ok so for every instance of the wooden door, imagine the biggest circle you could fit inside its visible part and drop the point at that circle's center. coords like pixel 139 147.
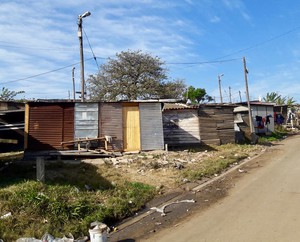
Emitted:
pixel 131 127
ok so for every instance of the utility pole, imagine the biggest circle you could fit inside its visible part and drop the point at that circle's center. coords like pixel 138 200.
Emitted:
pixel 73 79
pixel 230 95
pixel 219 78
pixel 247 95
pixel 80 17
pixel 240 96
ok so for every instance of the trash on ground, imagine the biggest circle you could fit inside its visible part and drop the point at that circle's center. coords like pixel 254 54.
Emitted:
pixel 162 209
pixel 7 215
pixel 49 238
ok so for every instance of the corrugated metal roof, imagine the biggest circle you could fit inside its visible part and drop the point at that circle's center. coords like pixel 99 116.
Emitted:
pixel 168 106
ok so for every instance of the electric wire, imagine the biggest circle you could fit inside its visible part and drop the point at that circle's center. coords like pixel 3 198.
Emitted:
pixel 259 43
pixel 95 58
pixel 43 73
pixel 216 60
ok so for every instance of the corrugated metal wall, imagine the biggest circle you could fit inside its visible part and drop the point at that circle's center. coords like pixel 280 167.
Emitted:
pixel 49 125
pixel 263 112
pixel 111 123
pixel 151 126
pixel 86 120
pixel 181 127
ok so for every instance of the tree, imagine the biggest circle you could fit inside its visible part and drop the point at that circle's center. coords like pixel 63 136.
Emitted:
pixel 7 95
pixel 271 97
pixel 278 99
pixel 290 101
pixel 132 75
pixel 172 89
pixel 197 95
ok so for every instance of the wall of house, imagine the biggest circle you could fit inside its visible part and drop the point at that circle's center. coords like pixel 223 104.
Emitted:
pixel 216 124
pixel 48 124
pixel 181 127
pixel 151 126
pixel 111 124
pixel 263 111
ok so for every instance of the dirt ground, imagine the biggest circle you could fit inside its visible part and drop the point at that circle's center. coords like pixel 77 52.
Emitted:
pixel 205 193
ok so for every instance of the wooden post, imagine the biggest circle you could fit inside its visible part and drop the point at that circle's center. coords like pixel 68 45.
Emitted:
pixel 247 95
pixel 40 169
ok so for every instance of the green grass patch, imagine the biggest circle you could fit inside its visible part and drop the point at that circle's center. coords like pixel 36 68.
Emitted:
pixel 275 136
pixel 63 205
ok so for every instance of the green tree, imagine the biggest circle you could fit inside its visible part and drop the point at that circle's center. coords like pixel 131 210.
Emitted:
pixel 271 97
pixel 7 95
pixel 132 75
pixel 278 99
pixel 290 101
pixel 197 95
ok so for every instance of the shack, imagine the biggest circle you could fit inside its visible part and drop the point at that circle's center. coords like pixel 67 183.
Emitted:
pixel 198 124
pixel 262 116
pixel 117 126
pixel 181 124
pixel 11 126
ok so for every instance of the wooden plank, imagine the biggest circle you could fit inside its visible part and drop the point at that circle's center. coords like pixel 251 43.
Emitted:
pixel 212 141
pixel 9 141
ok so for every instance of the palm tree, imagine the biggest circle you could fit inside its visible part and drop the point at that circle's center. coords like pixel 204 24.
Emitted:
pixel 272 97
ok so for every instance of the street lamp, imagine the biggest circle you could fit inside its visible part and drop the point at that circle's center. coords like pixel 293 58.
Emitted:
pixel 80 17
pixel 219 78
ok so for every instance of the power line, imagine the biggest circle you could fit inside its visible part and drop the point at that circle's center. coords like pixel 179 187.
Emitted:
pixel 259 43
pixel 95 58
pixel 202 62
pixel 43 73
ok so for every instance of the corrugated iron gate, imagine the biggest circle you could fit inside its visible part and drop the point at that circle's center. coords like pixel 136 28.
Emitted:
pixel 151 126
pixel 50 124
pixel 110 123
pixel 86 120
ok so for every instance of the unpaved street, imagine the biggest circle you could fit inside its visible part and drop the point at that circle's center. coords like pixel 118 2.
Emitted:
pixel 264 205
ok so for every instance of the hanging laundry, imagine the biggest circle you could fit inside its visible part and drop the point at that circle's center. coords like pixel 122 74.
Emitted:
pixel 259 122
pixel 268 119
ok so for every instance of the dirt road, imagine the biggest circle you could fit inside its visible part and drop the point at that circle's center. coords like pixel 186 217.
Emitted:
pixel 264 205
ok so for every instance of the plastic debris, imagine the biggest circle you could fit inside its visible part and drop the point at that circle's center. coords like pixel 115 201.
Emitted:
pixel 49 238
pixel 7 215
pixel 162 209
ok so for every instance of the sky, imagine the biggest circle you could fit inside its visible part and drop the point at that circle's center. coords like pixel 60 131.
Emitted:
pixel 198 40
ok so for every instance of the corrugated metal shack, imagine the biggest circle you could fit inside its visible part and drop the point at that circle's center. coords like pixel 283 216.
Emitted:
pixel 132 126
pixel 192 125
pixel 11 126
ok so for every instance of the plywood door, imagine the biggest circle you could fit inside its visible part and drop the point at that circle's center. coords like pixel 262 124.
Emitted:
pixel 131 128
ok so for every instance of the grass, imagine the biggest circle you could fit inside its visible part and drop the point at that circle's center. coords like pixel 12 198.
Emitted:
pixel 63 205
pixel 227 155
pixel 275 136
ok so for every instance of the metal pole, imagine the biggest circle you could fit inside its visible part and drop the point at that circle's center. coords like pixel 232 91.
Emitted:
pixel 247 95
pixel 81 56
pixel 230 95
pixel 73 79
pixel 240 96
